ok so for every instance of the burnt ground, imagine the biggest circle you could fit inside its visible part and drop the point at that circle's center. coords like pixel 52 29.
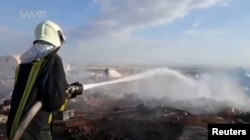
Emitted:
pixel 143 123
pixel 193 133
pixel 154 129
pixel 144 129
pixel 100 117
pixel 103 118
pixel 124 129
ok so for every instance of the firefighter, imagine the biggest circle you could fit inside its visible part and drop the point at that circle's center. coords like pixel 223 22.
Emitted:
pixel 40 76
pixel 106 72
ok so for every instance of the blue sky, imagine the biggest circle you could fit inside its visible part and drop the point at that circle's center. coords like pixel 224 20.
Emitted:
pixel 68 13
pixel 211 32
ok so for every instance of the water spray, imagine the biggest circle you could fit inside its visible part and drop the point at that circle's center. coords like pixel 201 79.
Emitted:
pixel 156 72
pixel 143 75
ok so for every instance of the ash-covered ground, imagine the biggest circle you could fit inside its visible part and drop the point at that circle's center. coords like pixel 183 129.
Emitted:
pixel 131 118
pixel 120 114
pixel 174 106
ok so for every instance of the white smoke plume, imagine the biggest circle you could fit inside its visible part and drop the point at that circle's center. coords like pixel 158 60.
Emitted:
pixel 170 84
pixel 213 87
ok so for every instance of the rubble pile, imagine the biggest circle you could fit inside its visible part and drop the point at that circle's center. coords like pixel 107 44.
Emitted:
pixel 106 119
pixel 101 116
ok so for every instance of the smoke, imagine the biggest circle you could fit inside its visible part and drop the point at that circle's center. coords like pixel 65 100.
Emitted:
pixel 210 90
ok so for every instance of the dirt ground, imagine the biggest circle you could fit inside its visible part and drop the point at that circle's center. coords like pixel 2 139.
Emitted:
pixel 103 118
pixel 129 129
pixel 146 129
pixel 145 123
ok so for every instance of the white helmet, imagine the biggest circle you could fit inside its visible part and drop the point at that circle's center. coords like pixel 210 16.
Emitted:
pixel 50 32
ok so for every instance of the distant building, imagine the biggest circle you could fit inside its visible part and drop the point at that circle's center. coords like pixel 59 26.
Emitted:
pixel 8 64
pixel 110 73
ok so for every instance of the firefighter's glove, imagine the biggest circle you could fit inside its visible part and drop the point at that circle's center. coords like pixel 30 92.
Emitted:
pixel 75 89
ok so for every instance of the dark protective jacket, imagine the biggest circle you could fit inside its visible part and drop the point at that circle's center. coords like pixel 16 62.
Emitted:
pixel 43 80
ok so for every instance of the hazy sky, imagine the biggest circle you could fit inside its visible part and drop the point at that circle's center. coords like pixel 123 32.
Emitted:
pixel 138 31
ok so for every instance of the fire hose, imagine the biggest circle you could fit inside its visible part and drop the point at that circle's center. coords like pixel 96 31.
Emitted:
pixel 38 105
pixel 29 116
pixel 27 119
